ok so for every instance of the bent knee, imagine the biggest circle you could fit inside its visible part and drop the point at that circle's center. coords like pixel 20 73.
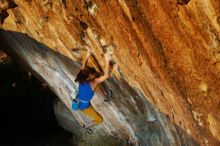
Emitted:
pixel 99 120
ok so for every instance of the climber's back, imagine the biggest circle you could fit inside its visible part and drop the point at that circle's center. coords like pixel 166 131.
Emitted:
pixel 85 94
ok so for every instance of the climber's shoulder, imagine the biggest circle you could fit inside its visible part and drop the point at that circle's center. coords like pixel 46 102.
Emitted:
pixel 97 81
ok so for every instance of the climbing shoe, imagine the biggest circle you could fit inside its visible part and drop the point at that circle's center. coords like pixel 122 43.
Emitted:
pixel 108 96
pixel 88 130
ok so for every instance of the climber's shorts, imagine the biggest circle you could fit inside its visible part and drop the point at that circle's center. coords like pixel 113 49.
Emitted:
pixel 93 114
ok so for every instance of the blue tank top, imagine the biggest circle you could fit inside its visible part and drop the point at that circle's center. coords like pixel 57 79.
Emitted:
pixel 84 95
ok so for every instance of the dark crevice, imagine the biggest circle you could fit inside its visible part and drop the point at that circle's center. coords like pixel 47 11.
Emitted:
pixel 27 115
pixel 3 16
pixel 84 25
pixel 183 2
pixel 64 3
pixel 87 4
pixel 12 4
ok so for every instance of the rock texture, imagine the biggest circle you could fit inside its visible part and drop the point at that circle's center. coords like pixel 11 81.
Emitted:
pixel 166 53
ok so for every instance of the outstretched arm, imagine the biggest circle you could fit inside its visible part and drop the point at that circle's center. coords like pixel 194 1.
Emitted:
pixel 106 74
pixel 85 60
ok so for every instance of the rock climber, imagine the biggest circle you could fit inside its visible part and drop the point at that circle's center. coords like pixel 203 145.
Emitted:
pixel 88 79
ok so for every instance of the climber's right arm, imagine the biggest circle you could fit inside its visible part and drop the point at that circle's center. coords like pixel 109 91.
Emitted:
pixel 106 73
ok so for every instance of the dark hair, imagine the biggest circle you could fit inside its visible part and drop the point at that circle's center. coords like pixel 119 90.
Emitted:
pixel 84 74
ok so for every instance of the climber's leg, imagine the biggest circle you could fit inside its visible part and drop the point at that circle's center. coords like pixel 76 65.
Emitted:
pixel 109 94
pixel 94 115
pixel 106 92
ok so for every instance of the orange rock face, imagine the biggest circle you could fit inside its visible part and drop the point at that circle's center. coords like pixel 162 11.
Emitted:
pixel 169 51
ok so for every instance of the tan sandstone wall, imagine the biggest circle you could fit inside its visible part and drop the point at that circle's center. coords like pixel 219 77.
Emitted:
pixel 167 51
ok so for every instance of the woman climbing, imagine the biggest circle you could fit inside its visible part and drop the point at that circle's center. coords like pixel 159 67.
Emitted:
pixel 88 79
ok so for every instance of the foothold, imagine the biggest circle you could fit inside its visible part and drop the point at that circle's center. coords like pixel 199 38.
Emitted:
pixel 114 133
pixel 91 7
pixel 84 25
pixel 47 5
pixel 104 48
pixel 197 117
pixel 203 86
pixel 206 141
pixel 102 41
pixel 46 18
pixel 188 131
pixel 151 120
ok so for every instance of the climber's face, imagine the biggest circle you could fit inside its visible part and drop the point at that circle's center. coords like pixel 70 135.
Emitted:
pixel 91 77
